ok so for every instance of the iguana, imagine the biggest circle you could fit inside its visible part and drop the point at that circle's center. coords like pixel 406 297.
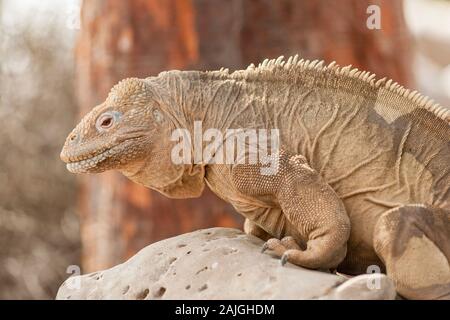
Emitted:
pixel 363 175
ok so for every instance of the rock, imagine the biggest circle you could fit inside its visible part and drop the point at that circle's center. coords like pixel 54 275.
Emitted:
pixel 217 263
pixel 365 287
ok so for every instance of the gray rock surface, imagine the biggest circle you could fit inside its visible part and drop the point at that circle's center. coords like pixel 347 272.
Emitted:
pixel 217 263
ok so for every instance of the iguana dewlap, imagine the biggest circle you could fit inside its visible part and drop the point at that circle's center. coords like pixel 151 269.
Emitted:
pixel 364 168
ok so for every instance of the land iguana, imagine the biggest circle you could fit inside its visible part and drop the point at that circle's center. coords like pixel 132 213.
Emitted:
pixel 364 165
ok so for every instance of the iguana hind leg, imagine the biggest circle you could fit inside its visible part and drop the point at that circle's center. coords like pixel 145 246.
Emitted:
pixel 414 243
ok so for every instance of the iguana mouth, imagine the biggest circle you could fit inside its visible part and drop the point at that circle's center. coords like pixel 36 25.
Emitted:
pixel 83 163
pixel 82 166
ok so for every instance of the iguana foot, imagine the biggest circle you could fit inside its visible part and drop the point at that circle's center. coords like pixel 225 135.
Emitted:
pixel 287 249
pixel 414 243
pixel 279 247
pixel 290 255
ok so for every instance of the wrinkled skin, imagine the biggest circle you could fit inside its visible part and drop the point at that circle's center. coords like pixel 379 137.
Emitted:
pixel 124 133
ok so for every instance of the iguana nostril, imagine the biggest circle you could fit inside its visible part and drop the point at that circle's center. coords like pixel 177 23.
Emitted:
pixel 73 137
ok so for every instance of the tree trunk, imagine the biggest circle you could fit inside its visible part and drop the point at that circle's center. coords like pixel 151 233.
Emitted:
pixel 139 38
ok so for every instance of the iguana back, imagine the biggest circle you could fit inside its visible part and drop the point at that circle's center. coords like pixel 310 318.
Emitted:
pixel 377 144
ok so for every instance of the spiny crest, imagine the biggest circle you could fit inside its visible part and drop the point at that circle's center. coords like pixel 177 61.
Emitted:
pixel 295 65
pixel 129 91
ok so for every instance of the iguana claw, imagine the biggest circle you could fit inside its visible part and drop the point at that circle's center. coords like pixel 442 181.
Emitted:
pixel 284 259
pixel 264 247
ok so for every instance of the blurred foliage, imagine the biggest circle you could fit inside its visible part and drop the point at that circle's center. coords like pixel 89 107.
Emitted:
pixel 39 234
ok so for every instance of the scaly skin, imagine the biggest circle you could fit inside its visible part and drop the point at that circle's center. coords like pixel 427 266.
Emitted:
pixel 359 157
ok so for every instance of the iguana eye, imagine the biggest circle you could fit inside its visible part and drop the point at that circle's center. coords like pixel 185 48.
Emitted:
pixel 105 121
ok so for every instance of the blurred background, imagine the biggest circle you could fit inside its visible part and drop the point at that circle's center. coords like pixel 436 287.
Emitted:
pixel 59 58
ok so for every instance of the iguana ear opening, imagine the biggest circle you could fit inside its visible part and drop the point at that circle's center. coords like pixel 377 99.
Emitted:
pixel 190 184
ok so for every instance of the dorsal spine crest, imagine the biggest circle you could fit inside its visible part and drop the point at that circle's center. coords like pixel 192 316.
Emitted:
pixel 293 66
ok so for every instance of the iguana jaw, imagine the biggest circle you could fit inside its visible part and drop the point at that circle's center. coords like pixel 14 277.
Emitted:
pixel 108 158
pixel 86 165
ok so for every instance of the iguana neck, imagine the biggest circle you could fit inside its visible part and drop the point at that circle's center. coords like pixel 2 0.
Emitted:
pixel 213 98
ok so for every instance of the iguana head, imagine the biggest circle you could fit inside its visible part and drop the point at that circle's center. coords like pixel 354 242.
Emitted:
pixel 130 132
pixel 113 134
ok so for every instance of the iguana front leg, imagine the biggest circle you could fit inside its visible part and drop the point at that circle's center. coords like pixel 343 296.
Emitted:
pixel 308 203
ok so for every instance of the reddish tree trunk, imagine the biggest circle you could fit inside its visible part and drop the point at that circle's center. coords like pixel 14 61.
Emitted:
pixel 119 39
